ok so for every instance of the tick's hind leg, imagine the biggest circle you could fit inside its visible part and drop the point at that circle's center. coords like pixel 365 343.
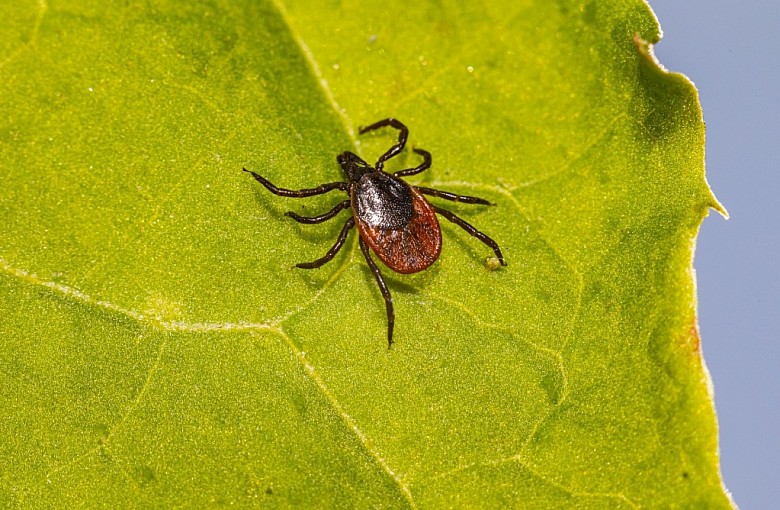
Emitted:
pixel 446 195
pixel 333 250
pixel 322 217
pixel 395 149
pixel 425 165
pixel 473 231
pixel 385 292
pixel 301 193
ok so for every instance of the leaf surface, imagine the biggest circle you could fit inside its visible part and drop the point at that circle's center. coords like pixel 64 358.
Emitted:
pixel 159 349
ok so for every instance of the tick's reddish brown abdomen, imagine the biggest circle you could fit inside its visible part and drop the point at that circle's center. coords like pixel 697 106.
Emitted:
pixel 397 222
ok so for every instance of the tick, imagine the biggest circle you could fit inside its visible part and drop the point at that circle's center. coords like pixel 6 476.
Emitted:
pixel 393 217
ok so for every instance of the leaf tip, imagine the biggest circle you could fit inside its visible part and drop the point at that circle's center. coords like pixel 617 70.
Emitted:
pixel 718 207
pixel 722 211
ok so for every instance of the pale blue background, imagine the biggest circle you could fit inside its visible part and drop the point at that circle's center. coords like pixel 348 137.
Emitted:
pixel 730 49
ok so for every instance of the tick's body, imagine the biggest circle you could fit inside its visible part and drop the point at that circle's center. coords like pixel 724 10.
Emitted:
pixel 396 222
pixel 393 218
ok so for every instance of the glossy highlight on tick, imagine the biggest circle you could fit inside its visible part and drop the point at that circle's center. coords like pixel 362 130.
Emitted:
pixel 393 217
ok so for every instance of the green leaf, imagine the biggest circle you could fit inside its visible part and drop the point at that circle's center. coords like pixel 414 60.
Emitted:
pixel 159 349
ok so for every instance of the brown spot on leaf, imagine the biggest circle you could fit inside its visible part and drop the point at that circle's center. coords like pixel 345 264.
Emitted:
pixel 691 340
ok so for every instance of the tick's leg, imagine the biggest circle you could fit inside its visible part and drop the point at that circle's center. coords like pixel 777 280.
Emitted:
pixel 333 250
pixel 322 217
pixel 473 231
pixel 385 292
pixel 395 149
pixel 425 165
pixel 301 193
pixel 452 196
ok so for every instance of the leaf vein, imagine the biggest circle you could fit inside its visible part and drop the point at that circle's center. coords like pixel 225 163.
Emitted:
pixel 155 321
pixel 315 68
pixel 42 8
pixel 593 142
pixel 173 326
pixel 348 420
pixel 560 486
